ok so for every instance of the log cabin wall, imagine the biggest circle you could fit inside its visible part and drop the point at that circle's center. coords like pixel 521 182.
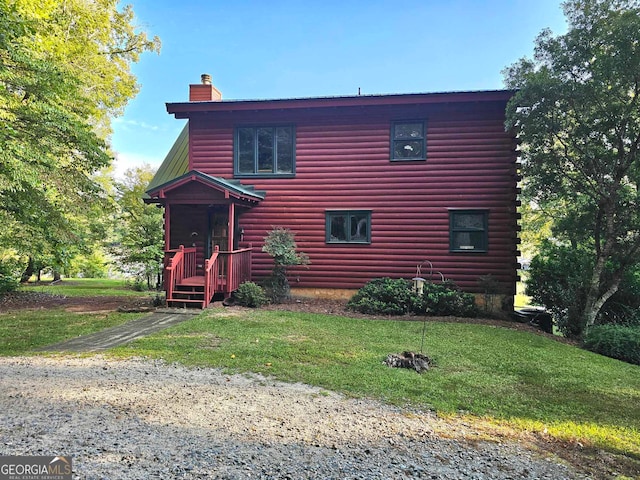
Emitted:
pixel 342 162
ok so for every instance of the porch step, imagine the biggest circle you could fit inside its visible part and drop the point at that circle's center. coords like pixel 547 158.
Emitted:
pixel 188 293
pixel 178 295
pixel 185 302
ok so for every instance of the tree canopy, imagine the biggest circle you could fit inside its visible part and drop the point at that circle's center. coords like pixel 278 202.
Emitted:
pixel 64 74
pixel 140 236
pixel 577 112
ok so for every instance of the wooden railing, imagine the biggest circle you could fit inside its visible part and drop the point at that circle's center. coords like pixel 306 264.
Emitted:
pixel 212 279
pixel 223 271
pixel 235 267
pixel 180 266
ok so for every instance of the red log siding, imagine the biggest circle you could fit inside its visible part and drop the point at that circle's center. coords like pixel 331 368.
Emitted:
pixel 342 162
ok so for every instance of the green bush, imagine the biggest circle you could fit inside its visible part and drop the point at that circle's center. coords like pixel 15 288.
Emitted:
pixel 9 274
pixel 446 299
pixel 559 279
pixel 615 341
pixel 250 295
pixel 281 245
pixel 385 296
pixel 388 296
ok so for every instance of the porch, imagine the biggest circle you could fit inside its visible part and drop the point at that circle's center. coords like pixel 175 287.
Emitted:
pixel 223 273
pixel 203 212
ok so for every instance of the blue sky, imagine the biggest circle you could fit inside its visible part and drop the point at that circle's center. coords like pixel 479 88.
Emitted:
pixel 261 49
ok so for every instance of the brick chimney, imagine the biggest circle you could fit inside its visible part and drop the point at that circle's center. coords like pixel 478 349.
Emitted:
pixel 204 91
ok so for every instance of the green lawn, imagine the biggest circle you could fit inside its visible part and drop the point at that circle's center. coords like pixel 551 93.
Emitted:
pixel 25 330
pixel 86 287
pixel 500 376
pixel 505 376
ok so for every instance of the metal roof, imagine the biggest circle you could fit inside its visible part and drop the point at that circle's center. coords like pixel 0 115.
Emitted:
pixel 183 109
pixel 175 164
pixel 234 187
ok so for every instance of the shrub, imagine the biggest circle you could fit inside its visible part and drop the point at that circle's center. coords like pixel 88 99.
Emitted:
pixel 386 296
pixel 9 273
pixel 250 295
pixel 615 341
pixel 281 245
pixel 559 278
pixel 446 299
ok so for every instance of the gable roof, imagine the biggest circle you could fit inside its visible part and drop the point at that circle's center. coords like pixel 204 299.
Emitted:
pixel 231 188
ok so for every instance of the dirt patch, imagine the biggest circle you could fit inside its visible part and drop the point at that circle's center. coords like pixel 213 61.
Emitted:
pixel 42 301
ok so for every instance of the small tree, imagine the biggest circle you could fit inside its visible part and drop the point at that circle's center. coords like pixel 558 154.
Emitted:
pixel 141 241
pixel 281 245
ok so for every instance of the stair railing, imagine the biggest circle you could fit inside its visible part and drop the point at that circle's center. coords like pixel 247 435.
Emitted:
pixel 182 265
pixel 211 277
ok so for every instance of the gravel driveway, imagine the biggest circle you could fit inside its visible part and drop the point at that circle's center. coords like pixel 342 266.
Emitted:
pixel 140 419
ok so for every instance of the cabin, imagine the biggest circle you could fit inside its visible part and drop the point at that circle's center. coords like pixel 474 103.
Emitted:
pixel 372 186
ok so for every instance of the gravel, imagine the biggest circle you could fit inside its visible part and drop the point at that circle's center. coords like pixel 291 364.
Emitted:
pixel 140 419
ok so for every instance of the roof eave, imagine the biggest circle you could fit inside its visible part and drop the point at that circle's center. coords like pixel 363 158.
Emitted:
pixel 180 108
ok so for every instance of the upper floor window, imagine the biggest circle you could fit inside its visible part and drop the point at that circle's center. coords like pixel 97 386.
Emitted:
pixel 468 230
pixel 264 151
pixel 408 141
pixel 348 226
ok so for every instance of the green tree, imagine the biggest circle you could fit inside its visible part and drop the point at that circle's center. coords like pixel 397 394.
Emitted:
pixel 280 243
pixel 64 73
pixel 140 246
pixel 578 116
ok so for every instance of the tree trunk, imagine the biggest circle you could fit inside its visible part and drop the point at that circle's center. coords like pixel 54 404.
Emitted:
pixel 56 276
pixel 28 272
pixel 594 300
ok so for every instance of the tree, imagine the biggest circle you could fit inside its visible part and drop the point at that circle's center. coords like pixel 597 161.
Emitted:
pixel 578 116
pixel 280 243
pixel 64 73
pixel 140 245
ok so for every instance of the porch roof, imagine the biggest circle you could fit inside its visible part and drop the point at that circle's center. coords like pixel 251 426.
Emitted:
pixel 175 164
pixel 231 188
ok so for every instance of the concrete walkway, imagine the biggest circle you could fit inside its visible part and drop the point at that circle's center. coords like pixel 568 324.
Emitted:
pixel 125 333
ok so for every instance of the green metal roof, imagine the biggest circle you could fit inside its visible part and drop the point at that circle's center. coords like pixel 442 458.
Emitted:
pixel 175 164
pixel 232 186
pixel 175 168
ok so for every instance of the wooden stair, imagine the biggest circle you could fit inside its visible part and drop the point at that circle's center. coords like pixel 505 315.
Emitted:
pixel 189 293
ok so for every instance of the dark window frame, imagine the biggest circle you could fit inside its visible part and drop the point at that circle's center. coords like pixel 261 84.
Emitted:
pixel 483 246
pixel 395 139
pixel 237 173
pixel 347 227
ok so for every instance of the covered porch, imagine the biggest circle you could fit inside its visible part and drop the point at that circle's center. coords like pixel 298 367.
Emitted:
pixel 203 257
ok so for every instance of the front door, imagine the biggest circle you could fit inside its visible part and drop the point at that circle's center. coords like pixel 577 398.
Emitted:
pixel 218 228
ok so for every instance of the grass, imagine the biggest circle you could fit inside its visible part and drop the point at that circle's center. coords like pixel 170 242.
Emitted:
pixel 23 331
pixel 86 287
pixel 492 375
pixel 506 377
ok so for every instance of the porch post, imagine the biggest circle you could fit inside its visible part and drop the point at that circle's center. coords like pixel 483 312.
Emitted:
pixel 230 228
pixel 167 226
